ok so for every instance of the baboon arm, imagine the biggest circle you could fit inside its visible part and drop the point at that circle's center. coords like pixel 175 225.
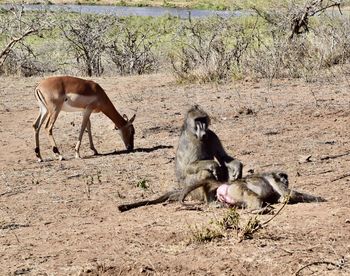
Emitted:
pixel 201 165
pixel 283 191
pixel 187 190
pixel 218 150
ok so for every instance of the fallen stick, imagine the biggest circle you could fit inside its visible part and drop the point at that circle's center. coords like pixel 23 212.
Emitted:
pixel 317 263
pixel 335 156
pixel 341 177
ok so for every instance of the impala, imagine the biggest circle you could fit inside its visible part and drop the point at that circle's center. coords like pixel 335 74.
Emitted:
pixel 72 94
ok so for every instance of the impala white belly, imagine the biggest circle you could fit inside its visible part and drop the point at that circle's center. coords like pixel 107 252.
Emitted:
pixel 68 108
pixel 75 102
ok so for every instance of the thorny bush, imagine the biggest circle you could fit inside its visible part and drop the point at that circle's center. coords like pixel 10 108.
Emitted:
pixel 209 50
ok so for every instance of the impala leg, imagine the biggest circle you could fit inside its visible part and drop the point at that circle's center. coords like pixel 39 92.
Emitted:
pixel 86 116
pixel 92 147
pixel 49 126
pixel 37 125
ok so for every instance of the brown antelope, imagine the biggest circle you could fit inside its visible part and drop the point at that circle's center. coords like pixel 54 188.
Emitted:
pixel 72 94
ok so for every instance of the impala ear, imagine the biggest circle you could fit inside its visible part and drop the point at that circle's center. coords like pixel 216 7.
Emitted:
pixel 132 119
pixel 125 117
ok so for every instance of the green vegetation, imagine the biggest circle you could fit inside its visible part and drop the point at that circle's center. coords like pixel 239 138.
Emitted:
pixel 142 184
pixel 271 43
pixel 229 226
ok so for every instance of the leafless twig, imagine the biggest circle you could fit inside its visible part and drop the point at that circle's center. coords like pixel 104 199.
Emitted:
pixel 334 156
pixel 341 177
pixel 339 266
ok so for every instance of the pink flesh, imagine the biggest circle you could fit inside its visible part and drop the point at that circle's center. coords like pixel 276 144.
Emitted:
pixel 222 195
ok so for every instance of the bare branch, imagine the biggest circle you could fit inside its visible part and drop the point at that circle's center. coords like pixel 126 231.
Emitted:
pixel 12 43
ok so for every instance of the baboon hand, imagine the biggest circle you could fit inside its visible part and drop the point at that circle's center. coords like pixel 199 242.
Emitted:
pixel 235 169
pixel 213 167
pixel 203 165
pixel 236 174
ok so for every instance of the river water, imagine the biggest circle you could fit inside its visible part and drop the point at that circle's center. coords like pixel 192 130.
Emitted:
pixel 128 11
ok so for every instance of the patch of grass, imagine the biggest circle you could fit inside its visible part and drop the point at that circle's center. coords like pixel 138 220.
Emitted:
pixel 229 226
pixel 167 4
pixel 247 230
pixel 142 184
pixel 229 221
pixel 213 5
pixel 90 180
pixel 205 234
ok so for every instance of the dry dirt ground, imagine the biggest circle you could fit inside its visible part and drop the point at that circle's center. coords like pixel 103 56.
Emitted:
pixel 61 218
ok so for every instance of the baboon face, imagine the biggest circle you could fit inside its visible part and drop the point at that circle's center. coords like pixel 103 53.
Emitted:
pixel 200 127
pixel 197 122
pixel 283 178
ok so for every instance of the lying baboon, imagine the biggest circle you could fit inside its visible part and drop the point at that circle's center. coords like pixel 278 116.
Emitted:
pixel 254 191
pixel 200 160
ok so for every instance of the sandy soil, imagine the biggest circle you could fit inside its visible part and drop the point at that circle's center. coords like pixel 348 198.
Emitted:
pixel 61 218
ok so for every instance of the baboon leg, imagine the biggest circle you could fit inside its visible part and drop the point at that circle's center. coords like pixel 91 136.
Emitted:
pixel 204 185
pixel 237 194
pixel 253 203
pixel 204 180
pixel 189 189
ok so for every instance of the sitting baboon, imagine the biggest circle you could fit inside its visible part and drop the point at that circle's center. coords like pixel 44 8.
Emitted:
pixel 255 191
pixel 200 159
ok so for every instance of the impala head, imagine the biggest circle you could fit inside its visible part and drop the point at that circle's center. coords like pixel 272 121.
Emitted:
pixel 127 132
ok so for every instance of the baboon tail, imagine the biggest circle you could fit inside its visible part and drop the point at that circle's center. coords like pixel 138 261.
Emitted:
pixel 296 197
pixel 170 196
